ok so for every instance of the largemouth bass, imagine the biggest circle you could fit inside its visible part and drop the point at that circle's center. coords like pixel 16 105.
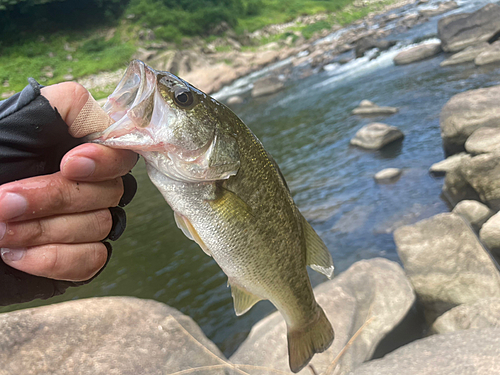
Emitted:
pixel 228 195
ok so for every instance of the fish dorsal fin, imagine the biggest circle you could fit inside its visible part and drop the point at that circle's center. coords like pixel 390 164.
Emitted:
pixel 243 300
pixel 318 256
pixel 187 228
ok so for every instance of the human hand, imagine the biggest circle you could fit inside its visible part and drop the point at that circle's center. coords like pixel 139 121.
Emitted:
pixel 52 225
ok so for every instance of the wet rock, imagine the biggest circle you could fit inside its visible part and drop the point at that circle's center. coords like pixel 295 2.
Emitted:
pixel 388 175
pixel 473 212
pixel 481 314
pixel 368 108
pixel 417 53
pixel 369 288
pixel 376 135
pixel 411 20
pixel 460 31
pixel 442 8
pixel 466 112
pixel 235 100
pixel 446 165
pixel 446 263
pixel 483 141
pixel 468 54
pixel 490 234
pixel 489 55
pixel 369 43
pixel 112 335
pixel 267 86
pixel 458 353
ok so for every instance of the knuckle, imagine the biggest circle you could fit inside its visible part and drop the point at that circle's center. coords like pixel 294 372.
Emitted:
pixel 102 222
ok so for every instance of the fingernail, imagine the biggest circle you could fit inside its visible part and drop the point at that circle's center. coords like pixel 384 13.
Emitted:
pixel 12 205
pixel 78 167
pixel 12 255
pixel 3 229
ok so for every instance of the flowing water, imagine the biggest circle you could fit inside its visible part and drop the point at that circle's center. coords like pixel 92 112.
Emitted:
pixel 307 128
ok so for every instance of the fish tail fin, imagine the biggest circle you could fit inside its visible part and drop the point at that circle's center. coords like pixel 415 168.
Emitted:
pixel 303 342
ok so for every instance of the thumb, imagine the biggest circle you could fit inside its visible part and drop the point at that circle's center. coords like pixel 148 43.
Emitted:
pixel 77 107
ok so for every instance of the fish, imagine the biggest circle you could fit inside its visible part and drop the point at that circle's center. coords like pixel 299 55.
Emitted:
pixel 228 195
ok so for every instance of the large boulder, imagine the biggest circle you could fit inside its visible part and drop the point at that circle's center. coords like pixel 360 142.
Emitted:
pixel 466 112
pixel 417 53
pixel 456 188
pixel 468 54
pixel 489 55
pixel 483 140
pixel 376 135
pixel 482 172
pixel 471 352
pixel 473 212
pixel 446 263
pixel 374 290
pixel 112 335
pixel 460 31
pixel 481 314
pixel 442 8
pixel 368 108
pixel 490 234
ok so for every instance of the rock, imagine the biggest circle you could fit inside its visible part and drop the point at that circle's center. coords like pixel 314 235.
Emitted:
pixel 411 20
pixel 374 288
pixel 388 175
pixel 235 100
pixel 460 31
pixel 68 77
pixel 369 43
pixel 440 168
pixel 446 263
pixel 473 212
pixel 267 86
pixel 468 54
pixel 111 335
pixel 442 8
pixel 456 188
pixel 7 94
pixel 466 112
pixel 489 55
pixel 376 135
pixel 367 108
pixel 483 140
pixel 472 352
pixel 481 314
pixel 490 234
pixel 482 172
pixel 417 53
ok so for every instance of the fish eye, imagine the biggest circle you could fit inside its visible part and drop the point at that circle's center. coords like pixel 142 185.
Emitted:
pixel 183 98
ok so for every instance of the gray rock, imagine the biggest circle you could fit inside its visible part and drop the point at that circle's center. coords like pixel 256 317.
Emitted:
pixel 388 175
pixel 417 53
pixel 475 352
pixel 368 43
pixel 482 172
pixel 112 335
pixel 266 86
pixel 481 314
pixel 483 140
pixel 460 31
pixel 466 112
pixel 468 54
pixel 489 55
pixel 367 108
pixel 235 100
pixel 490 234
pixel 440 168
pixel 374 288
pixel 376 135
pixel 456 188
pixel 473 212
pixel 446 263
pixel 442 8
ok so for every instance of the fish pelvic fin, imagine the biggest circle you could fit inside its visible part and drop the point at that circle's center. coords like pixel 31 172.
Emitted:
pixel 317 255
pixel 243 300
pixel 187 228
pixel 304 342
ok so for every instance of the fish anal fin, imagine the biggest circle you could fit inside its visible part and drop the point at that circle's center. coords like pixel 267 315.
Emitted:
pixel 187 228
pixel 317 255
pixel 304 342
pixel 243 300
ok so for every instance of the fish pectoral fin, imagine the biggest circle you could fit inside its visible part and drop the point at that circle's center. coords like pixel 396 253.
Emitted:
pixel 187 228
pixel 317 255
pixel 243 300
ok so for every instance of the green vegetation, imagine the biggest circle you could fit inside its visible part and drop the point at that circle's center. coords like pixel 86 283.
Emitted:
pixel 52 39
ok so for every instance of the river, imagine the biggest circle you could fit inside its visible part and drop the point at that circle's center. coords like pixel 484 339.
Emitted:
pixel 307 128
